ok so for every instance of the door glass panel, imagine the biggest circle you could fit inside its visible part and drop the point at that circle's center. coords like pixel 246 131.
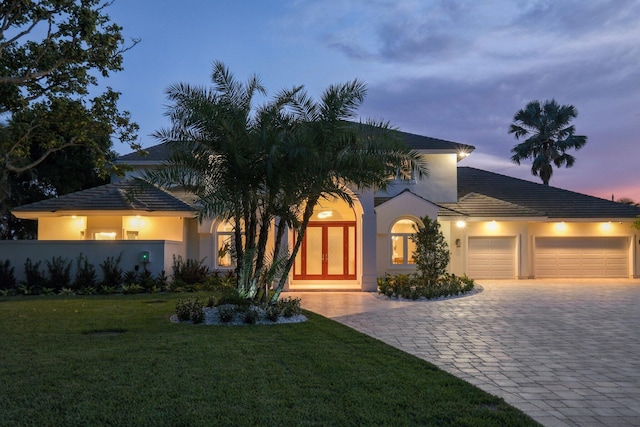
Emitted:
pixel 335 250
pixel 297 266
pixel 352 250
pixel 314 250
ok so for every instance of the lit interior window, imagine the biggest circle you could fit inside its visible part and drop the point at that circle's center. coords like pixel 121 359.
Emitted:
pixel 105 235
pixel 402 247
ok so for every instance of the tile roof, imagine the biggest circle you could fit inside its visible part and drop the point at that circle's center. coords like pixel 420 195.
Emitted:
pixel 551 201
pixel 133 194
pixel 159 153
pixel 479 205
pixel 155 154
pixel 419 142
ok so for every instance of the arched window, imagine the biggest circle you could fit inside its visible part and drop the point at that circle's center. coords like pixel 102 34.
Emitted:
pixel 402 247
pixel 224 242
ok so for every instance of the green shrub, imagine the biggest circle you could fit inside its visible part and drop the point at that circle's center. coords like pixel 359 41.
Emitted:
pixel 162 281
pixel 59 273
pixel 190 309
pixel 432 254
pixel 290 306
pixel 85 274
pixel 250 315
pixel 226 313
pixel 111 272
pixel 147 281
pixel 211 301
pixel 272 312
pixel 104 290
pixel 35 279
pixel 414 287
pixel 231 296
pixel 130 277
pixel 8 280
pixel 132 288
pixel 190 271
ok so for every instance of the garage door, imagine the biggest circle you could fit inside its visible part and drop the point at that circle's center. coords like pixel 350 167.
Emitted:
pixel 491 258
pixel 582 257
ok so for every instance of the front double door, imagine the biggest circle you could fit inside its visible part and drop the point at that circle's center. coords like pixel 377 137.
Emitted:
pixel 328 252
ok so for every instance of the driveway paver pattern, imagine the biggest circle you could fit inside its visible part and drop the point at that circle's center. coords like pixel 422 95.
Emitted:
pixel 565 352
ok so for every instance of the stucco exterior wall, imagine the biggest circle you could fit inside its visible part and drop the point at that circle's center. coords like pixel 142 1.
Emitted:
pixel 441 186
pixel 62 228
pixel 160 253
pixel 83 227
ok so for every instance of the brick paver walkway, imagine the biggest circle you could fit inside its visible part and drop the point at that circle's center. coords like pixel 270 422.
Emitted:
pixel 565 352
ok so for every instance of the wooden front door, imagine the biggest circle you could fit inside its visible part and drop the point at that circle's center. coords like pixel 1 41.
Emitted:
pixel 327 252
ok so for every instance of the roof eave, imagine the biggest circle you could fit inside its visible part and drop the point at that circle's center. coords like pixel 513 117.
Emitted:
pixel 102 212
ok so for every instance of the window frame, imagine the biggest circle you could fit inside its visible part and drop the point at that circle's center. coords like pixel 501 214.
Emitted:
pixel 403 240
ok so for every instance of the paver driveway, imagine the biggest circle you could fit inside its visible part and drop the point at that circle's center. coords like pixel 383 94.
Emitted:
pixel 565 352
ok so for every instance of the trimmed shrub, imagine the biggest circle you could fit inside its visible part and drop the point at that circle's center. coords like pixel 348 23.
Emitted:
pixel 189 272
pixel 8 280
pixel 59 273
pixel 190 309
pixel 35 279
pixel 290 306
pixel 414 287
pixel 432 252
pixel 86 277
pixel 111 272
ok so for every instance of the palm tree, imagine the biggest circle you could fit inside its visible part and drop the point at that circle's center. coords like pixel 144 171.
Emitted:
pixel 333 155
pixel 269 166
pixel 549 137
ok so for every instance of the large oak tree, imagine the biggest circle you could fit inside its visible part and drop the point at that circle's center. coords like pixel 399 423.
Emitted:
pixel 52 52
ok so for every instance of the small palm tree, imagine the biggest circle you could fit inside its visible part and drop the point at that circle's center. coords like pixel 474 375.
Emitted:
pixel 548 137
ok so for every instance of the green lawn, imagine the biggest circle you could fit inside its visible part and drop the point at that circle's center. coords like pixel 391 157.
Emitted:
pixel 117 360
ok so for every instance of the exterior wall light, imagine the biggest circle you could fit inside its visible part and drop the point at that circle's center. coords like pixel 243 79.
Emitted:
pixel 461 224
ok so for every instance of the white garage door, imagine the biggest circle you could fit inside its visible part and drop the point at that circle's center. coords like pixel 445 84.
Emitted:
pixel 582 257
pixel 491 258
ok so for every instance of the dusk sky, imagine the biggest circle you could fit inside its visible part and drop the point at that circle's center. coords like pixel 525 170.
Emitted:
pixel 455 70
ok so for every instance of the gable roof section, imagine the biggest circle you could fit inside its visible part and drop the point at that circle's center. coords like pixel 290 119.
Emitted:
pixel 550 201
pixel 129 195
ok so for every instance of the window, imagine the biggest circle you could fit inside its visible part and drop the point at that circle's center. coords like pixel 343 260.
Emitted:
pixel 224 243
pixel 402 247
pixel 104 235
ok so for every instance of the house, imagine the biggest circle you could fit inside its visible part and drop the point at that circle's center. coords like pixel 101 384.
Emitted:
pixel 497 227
